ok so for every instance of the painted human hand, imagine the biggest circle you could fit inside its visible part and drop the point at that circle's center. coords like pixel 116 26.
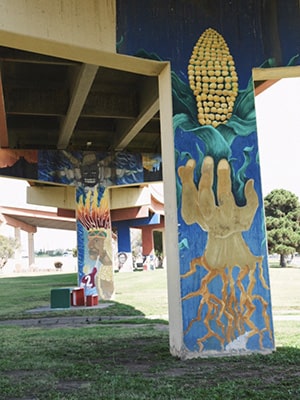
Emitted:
pixel 221 217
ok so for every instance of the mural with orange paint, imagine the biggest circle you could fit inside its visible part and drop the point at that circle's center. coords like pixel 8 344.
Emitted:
pixel 92 173
pixel 95 263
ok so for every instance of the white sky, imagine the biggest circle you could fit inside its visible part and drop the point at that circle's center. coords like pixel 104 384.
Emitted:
pixel 13 194
pixel 278 122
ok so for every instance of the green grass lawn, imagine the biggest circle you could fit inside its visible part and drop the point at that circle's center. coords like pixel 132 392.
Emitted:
pixel 132 360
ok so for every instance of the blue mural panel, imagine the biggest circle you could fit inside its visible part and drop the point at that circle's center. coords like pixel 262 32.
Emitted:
pixel 89 168
pixel 224 281
pixel 212 47
pixel 92 173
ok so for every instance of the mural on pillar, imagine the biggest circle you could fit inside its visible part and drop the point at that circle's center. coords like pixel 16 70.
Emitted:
pixel 225 284
pixel 95 255
pixel 225 293
pixel 91 173
pixel 212 48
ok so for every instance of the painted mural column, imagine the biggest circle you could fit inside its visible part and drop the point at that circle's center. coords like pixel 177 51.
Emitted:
pixel 92 173
pixel 94 238
pixel 124 248
pixel 225 289
pixel 148 247
pixel 219 290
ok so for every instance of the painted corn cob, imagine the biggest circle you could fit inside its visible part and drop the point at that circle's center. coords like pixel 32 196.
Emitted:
pixel 213 79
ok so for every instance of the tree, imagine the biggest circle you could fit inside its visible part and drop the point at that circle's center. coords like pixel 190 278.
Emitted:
pixel 7 249
pixel 282 210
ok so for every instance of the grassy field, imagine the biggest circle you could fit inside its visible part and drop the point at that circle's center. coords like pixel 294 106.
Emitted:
pixel 104 357
pixel 285 290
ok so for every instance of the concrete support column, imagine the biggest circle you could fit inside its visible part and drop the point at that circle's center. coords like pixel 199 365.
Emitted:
pixel 124 248
pixel 18 249
pixel 31 257
pixel 148 246
pixel 164 249
pixel 123 237
pixel 94 242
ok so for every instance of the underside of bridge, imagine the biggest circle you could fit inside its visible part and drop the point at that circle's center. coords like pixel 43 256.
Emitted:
pixel 90 101
pixel 48 102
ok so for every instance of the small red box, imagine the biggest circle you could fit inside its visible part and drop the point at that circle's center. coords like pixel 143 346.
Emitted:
pixel 92 300
pixel 77 297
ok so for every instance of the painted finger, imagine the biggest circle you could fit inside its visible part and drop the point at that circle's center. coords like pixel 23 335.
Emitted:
pixel 207 206
pixel 186 172
pixel 251 196
pixel 207 174
pixel 248 211
pixel 224 188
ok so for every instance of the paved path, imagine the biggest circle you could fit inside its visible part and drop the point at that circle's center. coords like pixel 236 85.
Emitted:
pixel 61 321
pixel 55 322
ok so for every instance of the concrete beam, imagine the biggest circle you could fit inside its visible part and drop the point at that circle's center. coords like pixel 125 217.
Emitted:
pixel 129 197
pixel 52 196
pixel 89 23
pixel 19 224
pixel 264 74
pixel 149 106
pixel 129 213
pixel 80 90
pixel 64 197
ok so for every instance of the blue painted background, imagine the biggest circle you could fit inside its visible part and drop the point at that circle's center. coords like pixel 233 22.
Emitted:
pixel 168 31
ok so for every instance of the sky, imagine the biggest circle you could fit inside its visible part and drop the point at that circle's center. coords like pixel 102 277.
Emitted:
pixel 13 194
pixel 278 123
pixel 278 126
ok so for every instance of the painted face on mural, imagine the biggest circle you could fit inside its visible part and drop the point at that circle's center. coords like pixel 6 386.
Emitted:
pixel 122 259
pixel 89 175
pixel 89 169
pixel 96 247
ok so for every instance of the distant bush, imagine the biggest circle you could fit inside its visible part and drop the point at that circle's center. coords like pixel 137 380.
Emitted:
pixel 8 246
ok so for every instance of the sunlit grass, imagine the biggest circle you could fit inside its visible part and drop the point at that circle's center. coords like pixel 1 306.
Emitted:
pixel 285 284
pixel 108 360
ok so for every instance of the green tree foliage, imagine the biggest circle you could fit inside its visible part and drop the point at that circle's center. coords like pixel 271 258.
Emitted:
pixel 282 210
pixel 7 249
